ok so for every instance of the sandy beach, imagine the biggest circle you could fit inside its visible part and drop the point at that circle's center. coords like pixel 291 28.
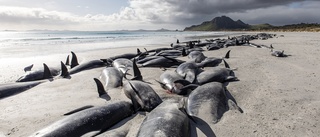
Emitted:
pixel 279 96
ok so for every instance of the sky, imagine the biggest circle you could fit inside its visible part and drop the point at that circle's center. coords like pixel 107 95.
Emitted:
pixel 149 14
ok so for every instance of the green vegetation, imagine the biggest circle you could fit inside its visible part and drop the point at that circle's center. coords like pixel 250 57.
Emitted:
pixel 261 26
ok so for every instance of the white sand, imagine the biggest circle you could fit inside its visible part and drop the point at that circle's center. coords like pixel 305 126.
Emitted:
pixel 279 96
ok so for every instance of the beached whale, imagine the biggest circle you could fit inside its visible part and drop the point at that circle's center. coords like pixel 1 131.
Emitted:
pixel 41 74
pixel 196 56
pixel 11 89
pixel 129 56
pixel 213 61
pixel 76 67
pixel 277 53
pixel 167 80
pixel 148 58
pixel 172 53
pixel 214 46
pixel 86 65
pixel 143 94
pixel 188 70
pixel 111 77
pixel 166 120
pixel 122 64
pixel 99 118
pixel 216 74
pixel 209 102
pixel 158 50
pixel 162 61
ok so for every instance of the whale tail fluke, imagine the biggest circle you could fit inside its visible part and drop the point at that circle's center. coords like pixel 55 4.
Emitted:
pixel 74 60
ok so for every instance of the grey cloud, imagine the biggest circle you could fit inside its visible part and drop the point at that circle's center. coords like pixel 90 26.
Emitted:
pixel 279 15
pixel 276 12
pixel 224 6
pixel 154 14
pixel 35 16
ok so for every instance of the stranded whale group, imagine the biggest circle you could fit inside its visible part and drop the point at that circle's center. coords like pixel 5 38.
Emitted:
pixel 198 84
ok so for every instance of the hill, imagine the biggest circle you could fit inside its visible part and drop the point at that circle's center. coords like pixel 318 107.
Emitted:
pixel 225 23
pixel 218 24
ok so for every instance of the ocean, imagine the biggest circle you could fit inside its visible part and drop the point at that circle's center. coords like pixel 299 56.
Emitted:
pixel 19 49
pixel 30 43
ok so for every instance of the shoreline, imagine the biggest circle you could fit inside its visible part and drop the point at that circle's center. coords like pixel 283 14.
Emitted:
pixel 279 96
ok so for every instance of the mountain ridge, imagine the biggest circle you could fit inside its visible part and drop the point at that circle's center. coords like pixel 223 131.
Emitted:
pixel 225 23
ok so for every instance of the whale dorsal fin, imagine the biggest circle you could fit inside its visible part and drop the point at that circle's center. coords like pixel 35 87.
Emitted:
pixel 67 60
pixel 136 71
pixel 226 64
pixel 184 53
pixel 46 73
pixel 74 60
pixel 138 51
pixel 227 54
pixel 64 71
pixel 100 87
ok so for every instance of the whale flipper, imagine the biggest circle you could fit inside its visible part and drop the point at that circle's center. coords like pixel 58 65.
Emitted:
pixel 77 110
pixel 74 60
pixel 28 68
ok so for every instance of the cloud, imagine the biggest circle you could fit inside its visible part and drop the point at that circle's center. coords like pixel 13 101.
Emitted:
pixel 305 12
pixel 155 14
pixel 187 12
pixel 35 15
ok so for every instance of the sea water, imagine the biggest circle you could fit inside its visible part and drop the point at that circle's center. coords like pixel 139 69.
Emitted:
pixel 31 43
pixel 19 49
